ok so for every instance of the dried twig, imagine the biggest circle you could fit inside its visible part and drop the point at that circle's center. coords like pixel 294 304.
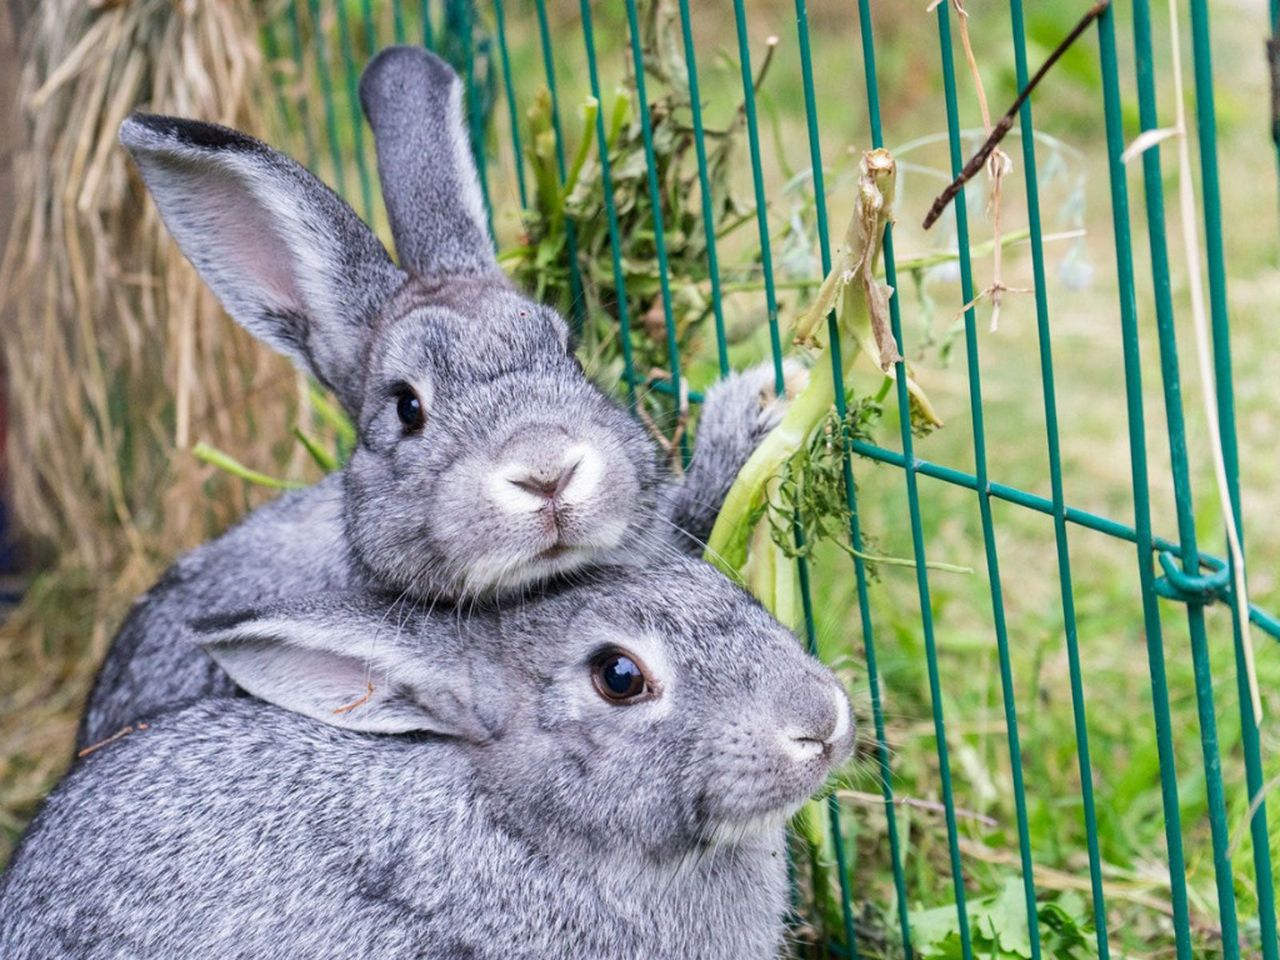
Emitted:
pixel 932 806
pixel 358 702
pixel 1005 124
pixel 119 734
pixel 998 165
pixel 670 445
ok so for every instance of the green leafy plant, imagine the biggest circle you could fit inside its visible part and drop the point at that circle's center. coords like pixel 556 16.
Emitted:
pixel 1000 931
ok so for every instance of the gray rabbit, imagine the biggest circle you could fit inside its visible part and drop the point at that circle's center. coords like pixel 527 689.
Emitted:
pixel 602 771
pixel 486 463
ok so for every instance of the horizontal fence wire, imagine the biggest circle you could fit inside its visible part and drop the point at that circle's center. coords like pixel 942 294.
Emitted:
pixel 320 32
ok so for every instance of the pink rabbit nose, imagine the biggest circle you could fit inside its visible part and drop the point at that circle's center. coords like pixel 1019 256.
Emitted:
pixel 567 477
pixel 547 487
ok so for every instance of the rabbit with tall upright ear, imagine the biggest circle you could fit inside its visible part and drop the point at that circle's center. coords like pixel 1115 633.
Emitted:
pixel 602 772
pixel 486 463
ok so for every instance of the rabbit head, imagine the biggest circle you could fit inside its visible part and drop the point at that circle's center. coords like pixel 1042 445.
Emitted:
pixel 642 710
pixel 487 460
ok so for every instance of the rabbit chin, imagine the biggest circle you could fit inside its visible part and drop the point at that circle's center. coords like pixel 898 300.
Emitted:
pixel 498 574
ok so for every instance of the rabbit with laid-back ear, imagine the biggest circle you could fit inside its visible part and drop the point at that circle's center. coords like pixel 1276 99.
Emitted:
pixel 602 771
pixel 486 462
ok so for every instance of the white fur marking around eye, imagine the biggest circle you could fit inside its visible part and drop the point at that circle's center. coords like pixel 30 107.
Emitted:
pixel 426 393
pixel 842 716
pixel 652 650
pixel 587 472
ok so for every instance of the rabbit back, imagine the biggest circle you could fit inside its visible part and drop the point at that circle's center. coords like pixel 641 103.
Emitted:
pixel 292 546
pixel 234 829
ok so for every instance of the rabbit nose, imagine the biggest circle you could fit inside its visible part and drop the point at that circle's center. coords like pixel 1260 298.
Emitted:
pixel 535 478
pixel 819 724
pixel 542 485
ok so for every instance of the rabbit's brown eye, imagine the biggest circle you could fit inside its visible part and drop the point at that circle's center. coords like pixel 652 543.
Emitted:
pixel 620 678
pixel 409 409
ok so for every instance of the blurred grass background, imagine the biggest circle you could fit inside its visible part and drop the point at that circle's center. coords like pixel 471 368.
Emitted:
pixel 118 363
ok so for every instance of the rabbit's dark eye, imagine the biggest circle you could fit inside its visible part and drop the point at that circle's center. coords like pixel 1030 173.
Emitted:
pixel 409 408
pixel 620 678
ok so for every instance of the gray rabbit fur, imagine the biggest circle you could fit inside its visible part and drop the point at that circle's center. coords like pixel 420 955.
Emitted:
pixel 505 808
pixel 511 470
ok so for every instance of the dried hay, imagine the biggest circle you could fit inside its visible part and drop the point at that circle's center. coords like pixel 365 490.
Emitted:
pixel 118 359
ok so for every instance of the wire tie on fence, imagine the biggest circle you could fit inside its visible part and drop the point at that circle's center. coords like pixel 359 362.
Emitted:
pixel 1177 584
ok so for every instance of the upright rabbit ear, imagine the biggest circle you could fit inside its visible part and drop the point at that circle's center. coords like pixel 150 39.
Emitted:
pixel 413 100
pixel 359 667
pixel 290 261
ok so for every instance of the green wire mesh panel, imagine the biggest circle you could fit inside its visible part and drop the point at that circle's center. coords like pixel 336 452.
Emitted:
pixel 1055 760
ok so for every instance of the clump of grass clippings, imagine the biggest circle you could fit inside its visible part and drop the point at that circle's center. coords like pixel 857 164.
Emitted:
pixel 540 260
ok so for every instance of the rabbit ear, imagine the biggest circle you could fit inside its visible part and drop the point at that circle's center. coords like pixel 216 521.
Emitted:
pixel 290 261
pixel 413 100
pixel 349 667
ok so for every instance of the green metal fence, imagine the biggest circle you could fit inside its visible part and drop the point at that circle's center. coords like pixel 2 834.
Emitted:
pixel 508 55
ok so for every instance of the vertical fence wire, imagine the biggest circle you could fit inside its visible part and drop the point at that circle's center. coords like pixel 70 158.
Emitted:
pixel 610 207
pixel 1206 128
pixel 1070 627
pixel 659 233
pixel 351 74
pixel 776 352
pixel 757 186
pixel 271 47
pixel 397 12
pixel 704 185
pixel 918 551
pixel 1154 190
pixel 1273 63
pixel 813 129
pixel 984 497
pixel 428 34
pixel 1139 480
pixel 326 88
pixel 301 102
pixel 370 28
pixel 475 109
pixel 855 532
pixel 513 112
pixel 577 306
